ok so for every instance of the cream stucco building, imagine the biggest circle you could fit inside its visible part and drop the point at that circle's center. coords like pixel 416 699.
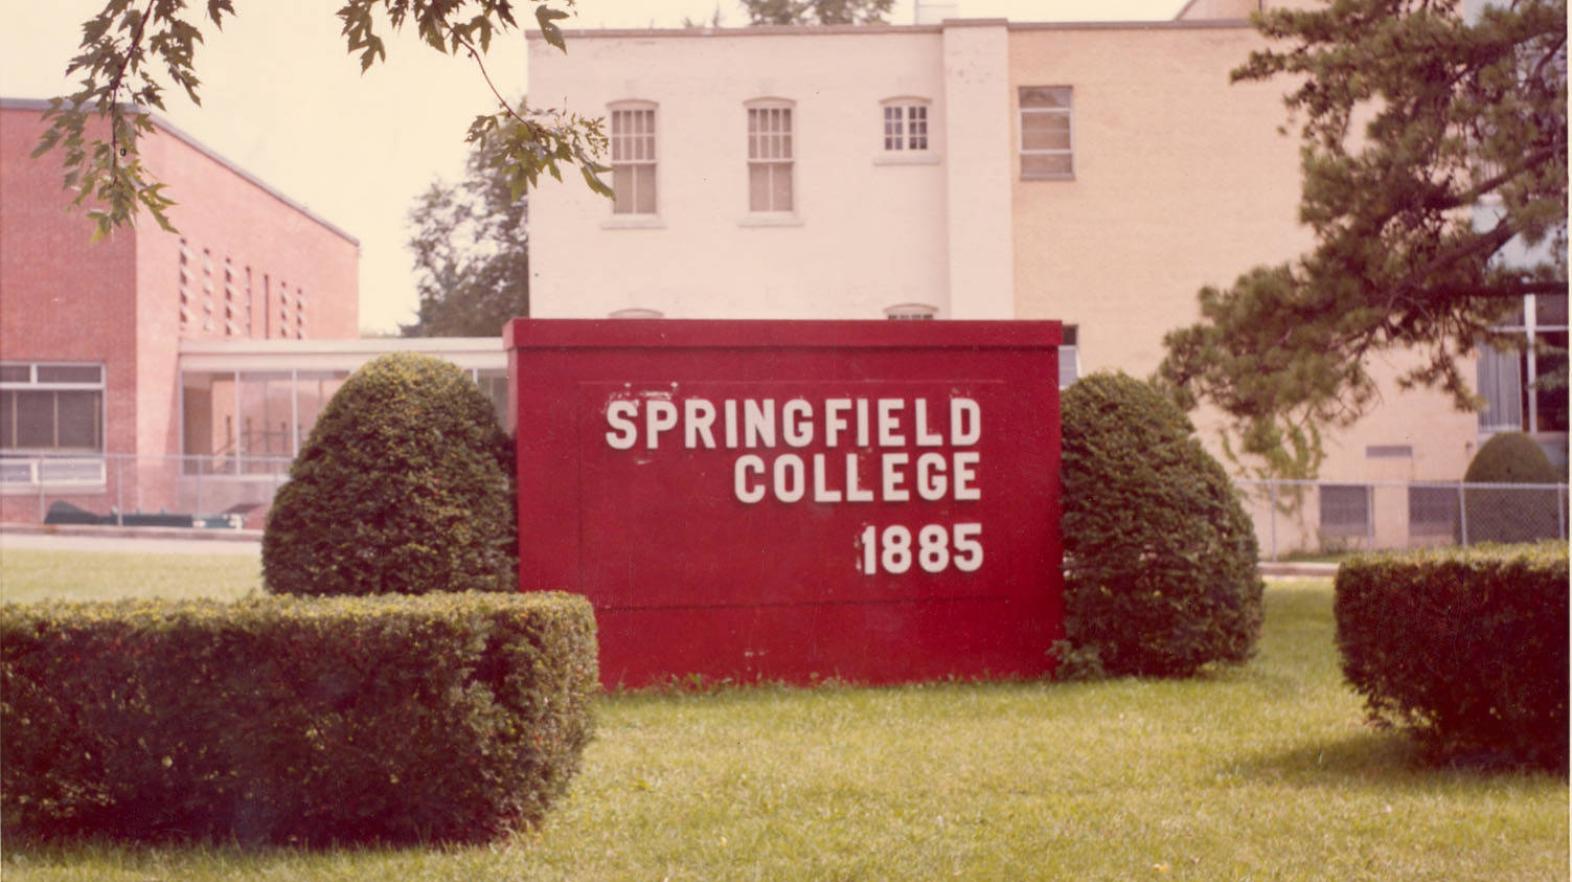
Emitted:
pixel 1099 174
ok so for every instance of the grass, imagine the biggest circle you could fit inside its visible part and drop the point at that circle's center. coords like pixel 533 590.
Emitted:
pixel 1261 773
pixel 29 574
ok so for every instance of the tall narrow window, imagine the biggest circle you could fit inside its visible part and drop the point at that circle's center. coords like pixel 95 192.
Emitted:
pixel 633 158
pixel 905 124
pixel 770 157
pixel 1046 142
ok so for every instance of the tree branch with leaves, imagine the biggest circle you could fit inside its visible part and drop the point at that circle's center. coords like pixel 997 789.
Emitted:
pixel 1463 152
pixel 132 52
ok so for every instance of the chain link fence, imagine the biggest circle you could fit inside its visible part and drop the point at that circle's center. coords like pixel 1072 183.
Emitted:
pixel 1310 518
pixel 129 490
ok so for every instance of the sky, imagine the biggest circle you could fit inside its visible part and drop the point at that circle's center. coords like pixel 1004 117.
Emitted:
pixel 282 99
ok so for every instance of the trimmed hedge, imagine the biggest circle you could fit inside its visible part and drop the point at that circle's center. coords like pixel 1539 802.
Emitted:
pixel 1466 649
pixel 403 487
pixel 1160 557
pixel 450 717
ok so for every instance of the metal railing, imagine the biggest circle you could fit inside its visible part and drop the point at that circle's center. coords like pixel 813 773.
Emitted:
pixel 1329 517
pixel 120 488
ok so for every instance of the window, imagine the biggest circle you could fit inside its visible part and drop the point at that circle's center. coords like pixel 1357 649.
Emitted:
pixel 1046 141
pixel 1345 510
pixel 1069 357
pixel 48 408
pixel 1432 510
pixel 633 158
pixel 905 124
pixel 770 154
pixel 1512 378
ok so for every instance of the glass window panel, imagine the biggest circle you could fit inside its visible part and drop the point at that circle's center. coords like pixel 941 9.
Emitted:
pixel 1069 366
pixel 759 187
pixel 622 189
pixel 1051 165
pixel 265 400
pixel 1045 131
pixel 1345 509
pixel 495 384
pixel 1550 310
pixel 7 419
pixel 15 373
pixel 79 415
pixel 645 175
pixel 786 146
pixel 1045 96
pixel 1432 509
pixel 1498 381
pixel 35 420
pixel 313 391
pixel 781 190
pixel 61 373
pixel 1550 382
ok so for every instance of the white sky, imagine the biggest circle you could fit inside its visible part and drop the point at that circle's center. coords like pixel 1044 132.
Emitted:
pixel 282 99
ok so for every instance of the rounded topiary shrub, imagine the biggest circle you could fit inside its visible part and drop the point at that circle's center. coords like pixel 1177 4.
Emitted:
pixel 1160 557
pixel 1511 458
pixel 403 487
pixel 1499 514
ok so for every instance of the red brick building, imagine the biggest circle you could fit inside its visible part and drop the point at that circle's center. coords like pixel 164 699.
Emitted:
pixel 90 333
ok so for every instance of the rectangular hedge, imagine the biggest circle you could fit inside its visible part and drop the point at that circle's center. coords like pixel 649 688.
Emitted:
pixel 444 717
pixel 1466 649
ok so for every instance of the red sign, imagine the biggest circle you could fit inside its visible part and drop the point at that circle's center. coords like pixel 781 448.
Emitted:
pixel 874 501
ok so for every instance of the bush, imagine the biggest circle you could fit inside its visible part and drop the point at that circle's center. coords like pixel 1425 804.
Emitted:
pixel 403 487
pixel 1504 515
pixel 455 717
pixel 1466 649
pixel 1160 557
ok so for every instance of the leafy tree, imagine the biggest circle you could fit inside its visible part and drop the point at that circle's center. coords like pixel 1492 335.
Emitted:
pixel 471 252
pixel 132 52
pixel 1464 150
pixel 824 12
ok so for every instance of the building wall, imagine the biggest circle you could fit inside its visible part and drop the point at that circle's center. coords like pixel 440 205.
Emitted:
pixel 119 302
pixel 63 298
pixel 1181 181
pixel 867 233
pixel 303 275
pixel 976 79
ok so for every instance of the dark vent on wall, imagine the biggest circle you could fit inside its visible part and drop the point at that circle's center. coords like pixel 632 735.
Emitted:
pixel 1389 451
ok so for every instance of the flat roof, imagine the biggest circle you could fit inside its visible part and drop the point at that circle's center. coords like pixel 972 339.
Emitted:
pixel 41 105
pixel 892 29
pixel 612 333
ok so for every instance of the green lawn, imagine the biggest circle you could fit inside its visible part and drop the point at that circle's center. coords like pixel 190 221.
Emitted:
pixel 1262 773
pixel 28 574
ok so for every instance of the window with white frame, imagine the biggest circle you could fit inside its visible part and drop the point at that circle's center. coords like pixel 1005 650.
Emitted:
pixel 1047 144
pixel 1514 378
pixel 905 125
pixel 51 408
pixel 633 157
pixel 771 155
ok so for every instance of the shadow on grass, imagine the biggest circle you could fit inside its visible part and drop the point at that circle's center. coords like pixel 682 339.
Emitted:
pixel 1374 758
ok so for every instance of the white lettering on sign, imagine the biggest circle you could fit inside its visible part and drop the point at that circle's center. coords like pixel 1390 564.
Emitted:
pixel 869 471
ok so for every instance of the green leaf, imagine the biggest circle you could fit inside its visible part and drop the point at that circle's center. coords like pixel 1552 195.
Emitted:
pixel 547 18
